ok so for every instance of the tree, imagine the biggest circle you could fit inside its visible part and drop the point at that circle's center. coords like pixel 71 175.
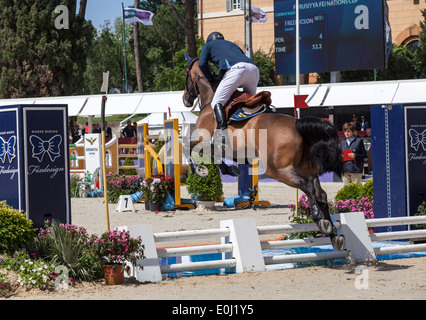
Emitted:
pixel 36 58
pixel 106 54
pixel 422 45
pixel 187 24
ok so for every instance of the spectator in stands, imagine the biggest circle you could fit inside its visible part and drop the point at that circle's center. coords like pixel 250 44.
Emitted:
pixel 75 133
pixel 108 132
pixel 356 122
pixel 96 128
pixel 135 128
pixel 364 124
pixel 128 131
pixel 353 155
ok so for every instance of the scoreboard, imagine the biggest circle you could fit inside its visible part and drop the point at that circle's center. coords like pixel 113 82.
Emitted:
pixel 335 35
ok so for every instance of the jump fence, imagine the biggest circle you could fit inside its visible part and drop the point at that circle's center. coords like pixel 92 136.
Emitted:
pixel 241 247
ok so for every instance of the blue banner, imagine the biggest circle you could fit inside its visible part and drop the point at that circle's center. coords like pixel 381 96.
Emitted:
pixel 46 164
pixel 10 161
pixel 415 135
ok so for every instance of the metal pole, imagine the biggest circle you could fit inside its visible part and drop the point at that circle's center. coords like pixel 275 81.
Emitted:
pixel 124 50
pixel 104 99
pixel 247 29
pixel 297 82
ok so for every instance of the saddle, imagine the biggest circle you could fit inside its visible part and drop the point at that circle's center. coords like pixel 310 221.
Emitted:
pixel 250 104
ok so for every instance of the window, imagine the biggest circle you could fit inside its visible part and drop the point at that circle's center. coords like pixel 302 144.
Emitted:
pixel 233 5
pixel 236 4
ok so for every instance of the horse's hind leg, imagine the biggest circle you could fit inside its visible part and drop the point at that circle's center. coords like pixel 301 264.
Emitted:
pixel 326 225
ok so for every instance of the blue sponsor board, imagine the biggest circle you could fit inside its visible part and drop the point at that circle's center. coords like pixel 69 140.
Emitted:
pixel 34 159
pixel 415 156
pixel 335 35
pixel 11 167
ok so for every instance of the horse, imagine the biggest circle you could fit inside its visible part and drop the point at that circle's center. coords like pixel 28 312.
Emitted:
pixel 298 150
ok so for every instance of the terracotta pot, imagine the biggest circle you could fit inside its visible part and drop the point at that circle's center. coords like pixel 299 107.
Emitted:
pixel 114 274
pixel 371 230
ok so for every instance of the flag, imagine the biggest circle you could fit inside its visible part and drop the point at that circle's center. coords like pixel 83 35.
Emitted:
pixel 257 15
pixel 299 101
pixel 138 15
pixel 105 77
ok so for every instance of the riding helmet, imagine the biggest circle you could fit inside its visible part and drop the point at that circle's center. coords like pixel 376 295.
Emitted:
pixel 215 36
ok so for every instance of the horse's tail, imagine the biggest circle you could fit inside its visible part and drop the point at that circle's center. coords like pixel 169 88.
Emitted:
pixel 321 141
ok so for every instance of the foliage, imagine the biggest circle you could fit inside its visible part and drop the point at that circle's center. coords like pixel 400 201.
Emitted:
pixel 4 284
pixel 127 172
pixel 354 190
pixel 266 66
pixel 16 231
pixel 421 211
pixel 117 247
pixel 360 204
pixel 31 270
pixel 74 178
pixel 70 246
pixel 304 211
pixel 208 188
pixel 37 59
pixel 155 189
pixel 118 185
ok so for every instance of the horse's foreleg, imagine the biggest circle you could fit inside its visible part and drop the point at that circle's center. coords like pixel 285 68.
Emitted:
pixel 326 225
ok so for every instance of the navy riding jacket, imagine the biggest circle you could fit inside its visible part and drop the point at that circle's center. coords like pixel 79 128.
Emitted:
pixel 357 146
pixel 223 54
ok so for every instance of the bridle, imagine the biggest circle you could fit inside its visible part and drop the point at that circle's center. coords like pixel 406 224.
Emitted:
pixel 193 91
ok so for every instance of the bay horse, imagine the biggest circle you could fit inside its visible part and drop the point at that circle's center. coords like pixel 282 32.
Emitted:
pixel 298 150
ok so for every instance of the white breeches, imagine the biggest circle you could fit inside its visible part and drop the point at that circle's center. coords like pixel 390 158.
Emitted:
pixel 242 74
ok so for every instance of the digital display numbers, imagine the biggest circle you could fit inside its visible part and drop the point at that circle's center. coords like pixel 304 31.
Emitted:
pixel 335 35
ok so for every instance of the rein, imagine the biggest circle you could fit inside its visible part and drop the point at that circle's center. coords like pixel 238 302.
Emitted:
pixel 194 85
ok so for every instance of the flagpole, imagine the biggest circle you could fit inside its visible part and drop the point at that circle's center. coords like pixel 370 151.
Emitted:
pixel 124 50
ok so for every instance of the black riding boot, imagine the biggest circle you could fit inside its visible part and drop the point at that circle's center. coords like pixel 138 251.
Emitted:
pixel 220 116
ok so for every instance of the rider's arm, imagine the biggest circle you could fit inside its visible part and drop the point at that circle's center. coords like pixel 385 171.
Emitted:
pixel 203 63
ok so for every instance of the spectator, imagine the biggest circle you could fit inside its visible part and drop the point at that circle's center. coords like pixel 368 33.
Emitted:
pixel 128 131
pixel 356 122
pixel 75 133
pixel 354 154
pixel 364 124
pixel 135 128
pixel 108 132
pixel 95 128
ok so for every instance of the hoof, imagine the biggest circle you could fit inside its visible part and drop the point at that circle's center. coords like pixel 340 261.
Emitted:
pixel 234 171
pixel 325 226
pixel 338 243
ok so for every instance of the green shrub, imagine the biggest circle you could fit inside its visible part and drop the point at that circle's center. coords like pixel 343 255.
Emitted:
pixel 367 189
pixel 354 190
pixel 209 188
pixel 421 211
pixel 16 231
pixel 32 271
pixel 127 172
pixel 74 178
pixel 69 246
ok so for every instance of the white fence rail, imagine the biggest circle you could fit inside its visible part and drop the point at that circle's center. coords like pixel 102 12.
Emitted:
pixel 241 247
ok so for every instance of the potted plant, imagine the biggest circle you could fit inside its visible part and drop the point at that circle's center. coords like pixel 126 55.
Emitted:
pixel 157 188
pixel 115 248
pixel 206 190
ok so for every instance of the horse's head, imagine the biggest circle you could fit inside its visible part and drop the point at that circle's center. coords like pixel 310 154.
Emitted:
pixel 191 88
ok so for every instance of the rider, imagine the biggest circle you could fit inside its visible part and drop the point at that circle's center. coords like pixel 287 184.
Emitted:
pixel 235 70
